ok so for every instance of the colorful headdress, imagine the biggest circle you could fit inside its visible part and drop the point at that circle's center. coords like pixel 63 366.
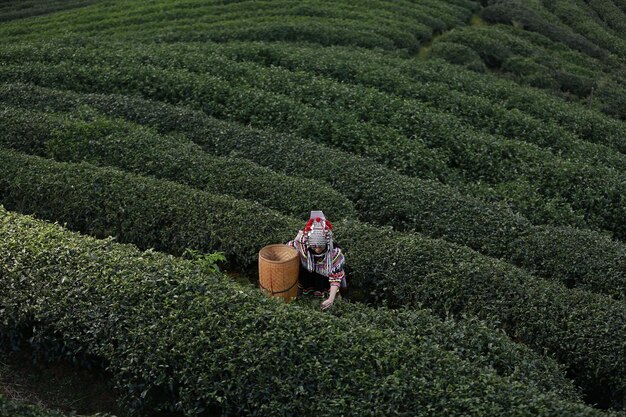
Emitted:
pixel 319 233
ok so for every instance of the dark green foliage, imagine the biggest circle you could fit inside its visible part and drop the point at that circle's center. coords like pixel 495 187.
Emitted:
pixel 480 112
pixel 532 59
pixel 178 339
pixel 611 15
pixel 373 24
pixel 451 280
pixel 609 94
pixel 167 327
pixel 479 99
pixel 531 72
pixel 612 98
pixel 458 54
pixel 584 331
pixel 581 259
pixel 165 216
pixel 621 4
pixel 573 14
pixel 416 141
pixel 304 29
pixel 21 9
pixel 110 142
pixel 513 12
pixel 380 195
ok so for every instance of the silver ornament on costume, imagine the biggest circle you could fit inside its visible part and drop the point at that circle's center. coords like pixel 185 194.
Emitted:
pixel 320 235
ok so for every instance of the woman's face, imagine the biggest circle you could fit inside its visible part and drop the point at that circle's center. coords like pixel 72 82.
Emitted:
pixel 318 249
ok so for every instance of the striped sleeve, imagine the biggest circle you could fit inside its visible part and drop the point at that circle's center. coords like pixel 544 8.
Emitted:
pixel 295 242
pixel 299 244
pixel 337 273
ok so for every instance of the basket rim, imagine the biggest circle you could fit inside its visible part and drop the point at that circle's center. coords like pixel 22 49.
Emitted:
pixel 295 253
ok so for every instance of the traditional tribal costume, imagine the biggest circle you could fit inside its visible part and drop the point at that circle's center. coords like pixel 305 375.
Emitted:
pixel 319 271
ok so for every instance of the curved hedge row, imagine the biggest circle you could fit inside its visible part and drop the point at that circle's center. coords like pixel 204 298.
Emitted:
pixel 507 11
pixel 147 212
pixel 343 130
pixel 515 42
pixel 398 14
pixel 584 331
pixel 178 339
pixel 479 112
pixel 533 60
pixel 412 271
pixel 395 74
pixel 571 116
pixel 609 15
pixel 380 196
pixel 572 14
pixel 110 142
pixel 598 198
pixel 588 124
pixel 323 31
pixel 382 24
pixel 30 8
pixel 368 104
pixel 472 340
pixel 544 43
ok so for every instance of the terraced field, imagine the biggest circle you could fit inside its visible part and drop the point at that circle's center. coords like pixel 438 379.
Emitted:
pixel 471 155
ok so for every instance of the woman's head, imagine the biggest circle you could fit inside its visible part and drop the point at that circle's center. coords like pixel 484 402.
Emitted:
pixel 319 233
pixel 318 240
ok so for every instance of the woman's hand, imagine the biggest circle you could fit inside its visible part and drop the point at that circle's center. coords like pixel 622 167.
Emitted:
pixel 327 303
pixel 331 299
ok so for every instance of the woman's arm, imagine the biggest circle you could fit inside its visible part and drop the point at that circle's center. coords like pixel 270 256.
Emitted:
pixel 331 299
pixel 335 277
pixel 297 243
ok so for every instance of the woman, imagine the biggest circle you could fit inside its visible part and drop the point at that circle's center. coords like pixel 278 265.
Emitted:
pixel 321 260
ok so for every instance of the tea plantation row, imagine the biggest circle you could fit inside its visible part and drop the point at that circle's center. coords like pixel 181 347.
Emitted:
pixel 381 24
pixel 479 112
pixel 180 339
pixel 108 142
pixel 405 204
pixel 155 341
pixel 573 14
pixel 345 63
pixel 540 47
pixel 13 10
pixel 550 67
pixel 584 331
pixel 535 18
pixel 593 191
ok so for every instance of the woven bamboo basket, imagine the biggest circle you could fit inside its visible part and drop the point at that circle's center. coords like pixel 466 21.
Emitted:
pixel 279 266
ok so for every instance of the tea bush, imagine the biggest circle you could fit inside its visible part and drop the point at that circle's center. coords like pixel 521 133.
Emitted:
pixel 110 142
pixel 381 24
pixel 498 160
pixel 509 11
pixel 29 8
pixel 384 74
pixel 579 258
pixel 573 14
pixel 180 340
pixel 584 331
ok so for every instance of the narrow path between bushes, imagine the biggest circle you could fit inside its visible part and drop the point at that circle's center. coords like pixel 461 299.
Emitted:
pixel 55 386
